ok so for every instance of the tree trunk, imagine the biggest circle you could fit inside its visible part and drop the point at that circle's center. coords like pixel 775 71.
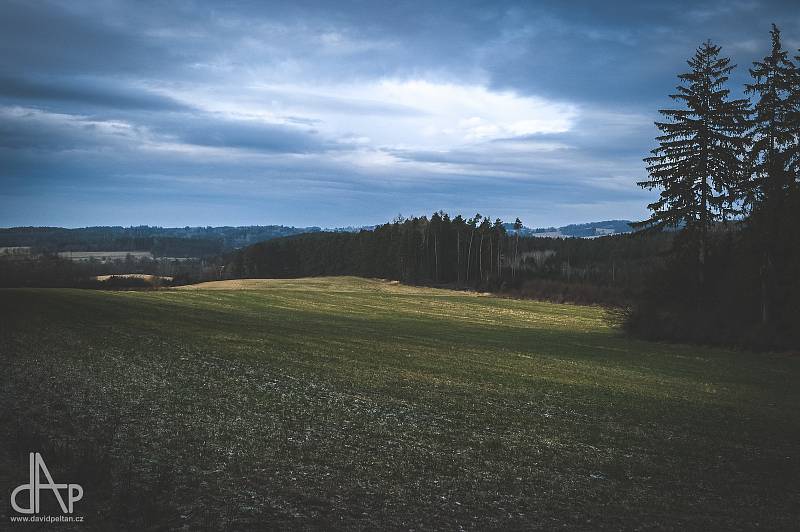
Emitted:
pixel 702 237
pixel 469 253
pixel 458 255
pixel 436 255
pixel 702 259
pixel 499 247
pixel 480 260
pixel 491 257
pixel 766 281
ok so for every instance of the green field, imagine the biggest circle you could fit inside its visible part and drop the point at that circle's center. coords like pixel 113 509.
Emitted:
pixel 351 403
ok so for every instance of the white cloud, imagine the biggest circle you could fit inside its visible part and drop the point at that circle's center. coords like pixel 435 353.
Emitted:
pixel 454 114
pixel 397 113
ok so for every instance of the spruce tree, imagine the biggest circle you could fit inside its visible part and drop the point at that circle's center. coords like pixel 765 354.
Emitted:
pixel 697 164
pixel 772 159
pixel 517 229
pixel 774 139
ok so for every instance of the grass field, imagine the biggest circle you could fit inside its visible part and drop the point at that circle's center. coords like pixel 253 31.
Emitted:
pixel 351 403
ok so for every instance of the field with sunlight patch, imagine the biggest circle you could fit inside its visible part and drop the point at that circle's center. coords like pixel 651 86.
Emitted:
pixel 352 403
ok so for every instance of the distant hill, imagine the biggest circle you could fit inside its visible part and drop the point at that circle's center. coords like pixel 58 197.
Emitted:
pixel 585 230
pixel 161 241
pixel 212 241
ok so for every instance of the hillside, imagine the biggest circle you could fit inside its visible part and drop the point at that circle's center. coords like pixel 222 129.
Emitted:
pixel 161 241
pixel 369 404
pixel 585 230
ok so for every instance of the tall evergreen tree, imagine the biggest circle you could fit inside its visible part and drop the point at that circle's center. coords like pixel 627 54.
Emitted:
pixel 697 164
pixel 772 156
pixel 483 230
pixel 436 228
pixel 773 136
pixel 472 223
pixel 517 229
pixel 459 227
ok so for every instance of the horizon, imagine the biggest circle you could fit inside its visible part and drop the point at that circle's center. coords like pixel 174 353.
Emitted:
pixel 321 228
pixel 313 115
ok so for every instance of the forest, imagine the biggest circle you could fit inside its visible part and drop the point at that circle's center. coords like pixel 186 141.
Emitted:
pixel 161 241
pixel 474 253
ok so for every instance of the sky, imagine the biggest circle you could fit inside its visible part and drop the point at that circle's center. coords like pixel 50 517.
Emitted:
pixel 346 113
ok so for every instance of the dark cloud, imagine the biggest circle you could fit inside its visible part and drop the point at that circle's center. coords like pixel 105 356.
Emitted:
pixel 206 130
pixel 85 94
pixel 246 108
pixel 22 128
pixel 30 129
pixel 50 38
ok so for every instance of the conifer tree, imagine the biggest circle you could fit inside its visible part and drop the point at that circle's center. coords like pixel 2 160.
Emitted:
pixel 772 157
pixel 483 230
pixel 472 223
pixel 458 225
pixel 773 137
pixel 498 232
pixel 697 164
pixel 517 229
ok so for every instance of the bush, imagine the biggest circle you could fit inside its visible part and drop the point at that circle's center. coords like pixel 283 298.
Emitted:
pixel 564 292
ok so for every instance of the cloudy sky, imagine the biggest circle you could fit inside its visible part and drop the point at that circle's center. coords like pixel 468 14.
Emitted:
pixel 344 113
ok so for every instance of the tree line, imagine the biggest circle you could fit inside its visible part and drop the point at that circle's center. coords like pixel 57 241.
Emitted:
pixel 204 242
pixel 477 252
pixel 472 252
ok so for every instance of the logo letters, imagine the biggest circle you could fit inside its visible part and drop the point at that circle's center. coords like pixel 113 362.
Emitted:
pixel 73 492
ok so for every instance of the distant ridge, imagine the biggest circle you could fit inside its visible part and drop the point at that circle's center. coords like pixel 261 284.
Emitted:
pixel 584 230
pixel 210 241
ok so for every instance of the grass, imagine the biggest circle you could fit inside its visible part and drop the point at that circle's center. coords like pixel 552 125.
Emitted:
pixel 351 403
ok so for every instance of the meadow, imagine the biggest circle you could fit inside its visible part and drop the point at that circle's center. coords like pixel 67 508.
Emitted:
pixel 346 403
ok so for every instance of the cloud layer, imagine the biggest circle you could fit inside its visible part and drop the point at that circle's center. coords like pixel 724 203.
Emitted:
pixel 342 113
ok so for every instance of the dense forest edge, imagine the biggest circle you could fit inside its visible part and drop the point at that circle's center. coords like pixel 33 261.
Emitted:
pixel 59 257
pixel 474 253
pixel 206 242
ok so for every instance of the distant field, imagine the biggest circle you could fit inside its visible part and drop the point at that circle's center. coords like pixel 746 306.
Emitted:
pixel 349 403
pixel 104 255
pixel 142 276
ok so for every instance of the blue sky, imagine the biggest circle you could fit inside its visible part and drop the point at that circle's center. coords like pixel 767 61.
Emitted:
pixel 345 113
